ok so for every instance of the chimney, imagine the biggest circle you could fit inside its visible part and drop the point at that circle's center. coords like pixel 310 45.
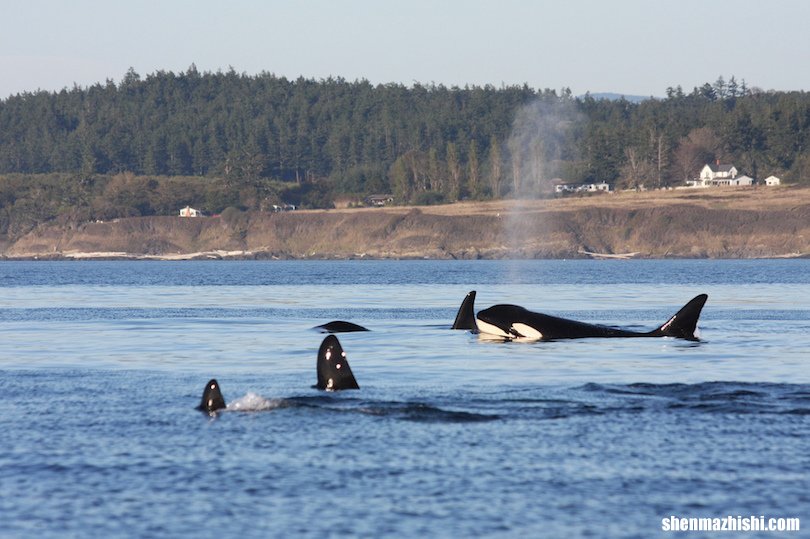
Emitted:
pixel 718 162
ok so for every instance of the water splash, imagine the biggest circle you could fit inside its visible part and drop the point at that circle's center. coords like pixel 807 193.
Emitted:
pixel 252 402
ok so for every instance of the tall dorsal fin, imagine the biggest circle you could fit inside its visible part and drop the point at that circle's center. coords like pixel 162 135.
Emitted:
pixel 683 323
pixel 212 399
pixel 333 368
pixel 465 318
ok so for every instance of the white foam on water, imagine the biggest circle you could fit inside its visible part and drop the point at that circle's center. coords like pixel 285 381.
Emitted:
pixel 252 402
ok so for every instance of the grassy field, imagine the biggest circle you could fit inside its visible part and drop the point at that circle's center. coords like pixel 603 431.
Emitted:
pixel 783 198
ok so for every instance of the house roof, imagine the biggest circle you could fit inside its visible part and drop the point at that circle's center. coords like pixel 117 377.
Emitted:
pixel 720 168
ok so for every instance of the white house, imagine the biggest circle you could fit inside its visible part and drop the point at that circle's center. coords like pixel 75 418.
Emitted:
pixel 715 174
pixel 188 211
pixel 772 180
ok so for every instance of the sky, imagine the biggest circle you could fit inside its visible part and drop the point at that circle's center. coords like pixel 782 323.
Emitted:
pixel 630 47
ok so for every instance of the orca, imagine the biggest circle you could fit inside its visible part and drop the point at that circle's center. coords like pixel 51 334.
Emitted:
pixel 333 369
pixel 334 373
pixel 339 326
pixel 212 399
pixel 512 322
pixel 465 317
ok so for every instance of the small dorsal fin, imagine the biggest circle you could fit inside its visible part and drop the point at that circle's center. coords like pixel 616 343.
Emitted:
pixel 465 318
pixel 333 368
pixel 212 399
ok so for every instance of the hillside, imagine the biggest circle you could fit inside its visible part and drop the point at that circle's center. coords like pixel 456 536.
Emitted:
pixel 420 143
pixel 716 223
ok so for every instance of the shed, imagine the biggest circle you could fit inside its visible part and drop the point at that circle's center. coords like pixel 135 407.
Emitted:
pixel 379 200
pixel 188 211
pixel 772 180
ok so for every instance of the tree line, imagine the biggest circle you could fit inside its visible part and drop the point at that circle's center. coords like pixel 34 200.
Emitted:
pixel 249 141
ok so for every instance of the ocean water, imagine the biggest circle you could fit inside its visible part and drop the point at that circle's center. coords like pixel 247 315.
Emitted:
pixel 103 363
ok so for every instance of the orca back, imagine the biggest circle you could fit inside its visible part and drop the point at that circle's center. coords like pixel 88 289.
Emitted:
pixel 212 399
pixel 333 368
pixel 465 317
pixel 513 321
pixel 339 326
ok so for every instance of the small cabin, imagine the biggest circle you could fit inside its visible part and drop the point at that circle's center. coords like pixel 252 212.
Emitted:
pixel 379 200
pixel 188 211
pixel 772 180
pixel 562 187
pixel 601 186
pixel 737 181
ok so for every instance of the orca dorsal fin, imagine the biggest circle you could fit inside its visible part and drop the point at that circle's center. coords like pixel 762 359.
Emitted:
pixel 333 368
pixel 212 399
pixel 465 318
pixel 683 323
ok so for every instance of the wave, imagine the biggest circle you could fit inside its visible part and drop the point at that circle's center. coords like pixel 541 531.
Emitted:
pixel 408 411
pixel 538 404
pixel 709 397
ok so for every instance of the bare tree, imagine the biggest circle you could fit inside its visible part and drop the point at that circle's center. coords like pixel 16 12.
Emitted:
pixel 516 160
pixel 637 172
pixel 496 167
pixel 473 172
pixel 454 172
pixel 701 146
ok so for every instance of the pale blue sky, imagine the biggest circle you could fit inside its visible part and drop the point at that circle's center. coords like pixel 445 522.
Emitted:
pixel 635 47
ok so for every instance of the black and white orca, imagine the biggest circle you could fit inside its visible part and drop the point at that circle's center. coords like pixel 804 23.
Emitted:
pixel 339 326
pixel 465 317
pixel 334 373
pixel 333 369
pixel 512 322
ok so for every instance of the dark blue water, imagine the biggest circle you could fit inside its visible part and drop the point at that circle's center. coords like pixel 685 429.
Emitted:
pixel 102 364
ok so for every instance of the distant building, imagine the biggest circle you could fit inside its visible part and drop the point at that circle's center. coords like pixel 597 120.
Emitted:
pixel 738 181
pixel 188 211
pixel 283 207
pixel 601 186
pixel 718 175
pixel 562 187
pixel 379 200
pixel 714 175
pixel 718 172
pixel 772 180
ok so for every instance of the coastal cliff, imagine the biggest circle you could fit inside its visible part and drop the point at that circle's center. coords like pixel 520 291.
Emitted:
pixel 717 223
